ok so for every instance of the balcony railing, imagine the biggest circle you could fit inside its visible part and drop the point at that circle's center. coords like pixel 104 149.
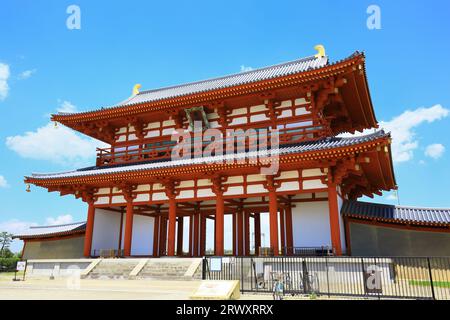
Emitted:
pixel 159 150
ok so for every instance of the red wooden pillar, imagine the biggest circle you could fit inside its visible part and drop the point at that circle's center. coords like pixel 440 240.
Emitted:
pixel 196 234
pixel 202 234
pixel 273 221
pixel 191 223
pixel 89 229
pixel 247 232
pixel 172 226
pixel 240 232
pixel 119 247
pixel 180 232
pixel 334 219
pixel 219 225
pixel 155 235
pixel 289 231
pixel 282 232
pixel 348 246
pixel 257 221
pixel 233 233
pixel 128 228
pixel 163 236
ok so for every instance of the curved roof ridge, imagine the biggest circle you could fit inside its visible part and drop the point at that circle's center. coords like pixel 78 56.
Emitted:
pixel 52 231
pixel 402 206
pixel 43 174
pixel 233 74
pixel 58 225
pixel 305 64
pixel 380 132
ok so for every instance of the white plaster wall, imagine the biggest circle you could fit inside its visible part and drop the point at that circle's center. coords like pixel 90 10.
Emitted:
pixel 106 230
pixel 311 225
pixel 142 241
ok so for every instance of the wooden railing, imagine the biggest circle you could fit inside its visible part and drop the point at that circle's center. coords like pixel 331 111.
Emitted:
pixel 161 149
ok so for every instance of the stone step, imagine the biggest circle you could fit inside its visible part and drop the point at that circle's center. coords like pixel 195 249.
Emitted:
pixel 168 269
pixel 113 269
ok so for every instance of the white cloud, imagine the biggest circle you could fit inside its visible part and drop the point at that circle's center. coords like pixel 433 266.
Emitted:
pixel 3 182
pixel 404 140
pixel 59 145
pixel 435 150
pixel 16 226
pixel 26 74
pixel 246 68
pixel 4 76
pixel 66 107
pixel 392 197
pixel 63 219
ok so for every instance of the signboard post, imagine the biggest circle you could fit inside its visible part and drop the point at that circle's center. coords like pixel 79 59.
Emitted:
pixel 20 266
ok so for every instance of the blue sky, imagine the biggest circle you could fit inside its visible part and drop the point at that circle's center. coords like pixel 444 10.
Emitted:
pixel 45 67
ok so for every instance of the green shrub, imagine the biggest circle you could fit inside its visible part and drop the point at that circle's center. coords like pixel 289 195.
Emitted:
pixel 8 264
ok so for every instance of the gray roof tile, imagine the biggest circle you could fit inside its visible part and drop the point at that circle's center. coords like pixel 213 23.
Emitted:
pixel 46 231
pixel 393 213
pixel 279 70
pixel 266 73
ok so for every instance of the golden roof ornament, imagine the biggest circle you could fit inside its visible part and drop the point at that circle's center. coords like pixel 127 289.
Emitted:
pixel 136 89
pixel 320 51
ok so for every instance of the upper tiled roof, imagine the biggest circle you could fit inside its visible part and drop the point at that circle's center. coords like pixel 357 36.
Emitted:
pixel 317 145
pixel 397 214
pixel 51 231
pixel 279 70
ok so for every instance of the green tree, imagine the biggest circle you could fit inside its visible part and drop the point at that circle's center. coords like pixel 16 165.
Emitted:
pixel 5 242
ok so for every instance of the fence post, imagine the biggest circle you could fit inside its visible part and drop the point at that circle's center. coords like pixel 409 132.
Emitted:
pixel 242 274
pixel 305 280
pixel 364 277
pixel 328 278
pixel 381 279
pixel 431 279
pixel 204 268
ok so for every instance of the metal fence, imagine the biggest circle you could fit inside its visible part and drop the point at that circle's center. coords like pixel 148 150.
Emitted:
pixel 371 277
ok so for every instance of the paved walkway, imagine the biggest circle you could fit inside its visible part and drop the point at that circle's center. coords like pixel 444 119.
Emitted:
pixel 62 289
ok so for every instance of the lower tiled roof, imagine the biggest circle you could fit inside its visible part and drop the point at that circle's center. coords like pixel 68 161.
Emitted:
pixel 317 145
pixel 396 214
pixel 52 231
